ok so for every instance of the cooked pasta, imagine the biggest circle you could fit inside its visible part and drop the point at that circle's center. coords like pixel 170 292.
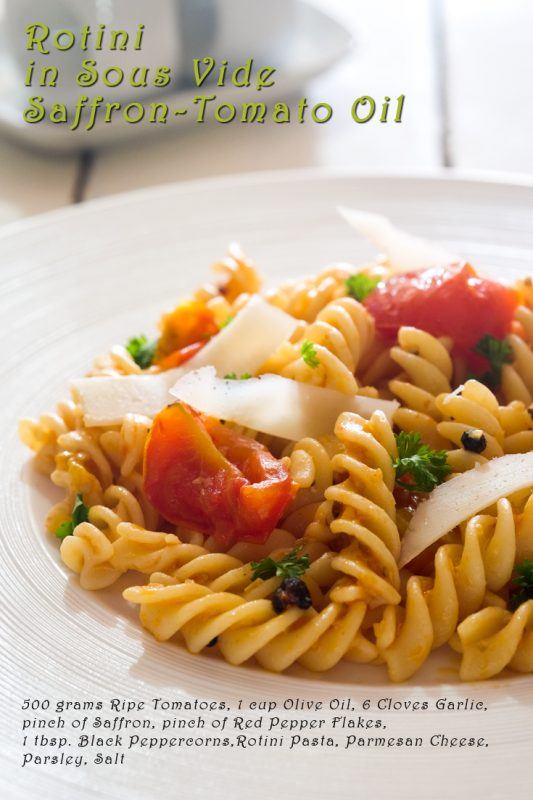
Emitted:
pixel 426 372
pixel 493 639
pixel 291 525
pixel 311 469
pixel 341 333
pixel 112 543
pixel 517 377
pixel 361 509
pixel 245 627
pixel 474 406
pixel 304 299
pixel 466 576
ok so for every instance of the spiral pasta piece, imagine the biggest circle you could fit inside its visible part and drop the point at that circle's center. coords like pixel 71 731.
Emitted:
pixel 311 469
pixel 318 638
pixel 42 435
pixel 305 298
pixel 466 577
pixel 517 377
pixel 238 276
pixel 495 638
pixel 524 532
pixel 427 371
pixel 118 361
pixel 361 508
pixel 83 447
pixel 115 541
pixel 524 316
pixel 517 423
pixel 340 334
pixel 90 550
pixel 507 428
pixel 243 627
pixel 471 406
pixel 125 448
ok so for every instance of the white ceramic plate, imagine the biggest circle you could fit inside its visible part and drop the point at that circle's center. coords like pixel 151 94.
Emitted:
pixel 76 281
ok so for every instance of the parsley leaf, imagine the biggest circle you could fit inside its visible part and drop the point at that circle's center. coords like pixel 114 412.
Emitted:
pixel 290 566
pixel 226 321
pixel 497 352
pixel 232 376
pixel 360 285
pixel 80 513
pixel 522 585
pixel 420 467
pixel 142 351
pixel 309 354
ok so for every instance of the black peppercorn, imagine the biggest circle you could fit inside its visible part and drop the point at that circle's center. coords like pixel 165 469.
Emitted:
pixel 291 592
pixel 474 440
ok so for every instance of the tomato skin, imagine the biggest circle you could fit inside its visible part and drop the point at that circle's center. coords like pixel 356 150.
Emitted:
pixel 179 357
pixel 451 301
pixel 201 474
pixel 190 322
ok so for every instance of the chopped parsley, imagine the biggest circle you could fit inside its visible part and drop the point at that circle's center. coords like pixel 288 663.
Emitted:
pixel 232 376
pixel 309 355
pixel 418 467
pixel 497 352
pixel 290 566
pixel 360 285
pixel 522 584
pixel 227 321
pixel 142 351
pixel 80 513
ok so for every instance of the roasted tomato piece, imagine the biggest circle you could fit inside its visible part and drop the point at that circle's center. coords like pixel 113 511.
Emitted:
pixel 451 301
pixel 199 473
pixel 179 357
pixel 188 323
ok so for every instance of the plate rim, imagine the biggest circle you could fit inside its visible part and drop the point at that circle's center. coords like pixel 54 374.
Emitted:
pixel 237 179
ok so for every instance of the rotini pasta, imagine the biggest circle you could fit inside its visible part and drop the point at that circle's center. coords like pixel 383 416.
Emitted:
pixel 287 541
pixel 311 468
pixel 493 639
pixel 304 299
pixel 340 334
pixel 466 576
pixel 245 627
pixel 365 512
pixel 427 371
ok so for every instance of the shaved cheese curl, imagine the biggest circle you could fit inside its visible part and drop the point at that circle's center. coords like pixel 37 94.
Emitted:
pixel 404 252
pixel 271 404
pixel 463 496
pixel 106 400
pixel 247 341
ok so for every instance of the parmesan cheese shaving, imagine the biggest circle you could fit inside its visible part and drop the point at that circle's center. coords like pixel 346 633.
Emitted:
pixel 241 347
pixel 272 404
pixel 106 400
pixel 247 341
pixel 463 496
pixel 403 251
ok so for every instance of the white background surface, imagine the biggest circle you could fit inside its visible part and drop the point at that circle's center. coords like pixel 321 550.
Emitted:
pixel 465 67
